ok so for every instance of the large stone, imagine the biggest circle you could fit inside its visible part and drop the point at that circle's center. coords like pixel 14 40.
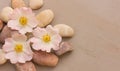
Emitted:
pixel 4 14
pixel 28 66
pixel 18 3
pixel 44 58
pixel 35 4
pixel 64 30
pixel 6 33
pixel 45 17
pixel 64 48
pixel 1 25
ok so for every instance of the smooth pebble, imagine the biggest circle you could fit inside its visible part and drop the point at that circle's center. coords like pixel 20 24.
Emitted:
pixel 64 48
pixel 45 17
pixel 35 4
pixel 28 66
pixel 64 30
pixel 18 3
pixel 4 14
pixel 45 59
pixel 3 60
pixel 6 33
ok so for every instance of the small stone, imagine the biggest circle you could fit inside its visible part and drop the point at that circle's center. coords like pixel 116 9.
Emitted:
pixel 6 33
pixel 64 30
pixel 3 60
pixel 4 15
pixel 45 17
pixel 35 4
pixel 29 35
pixel 28 66
pixel 18 3
pixel 1 25
pixel 44 58
pixel 64 48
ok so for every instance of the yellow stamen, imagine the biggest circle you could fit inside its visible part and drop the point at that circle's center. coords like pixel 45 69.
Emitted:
pixel 18 48
pixel 46 38
pixel 23 21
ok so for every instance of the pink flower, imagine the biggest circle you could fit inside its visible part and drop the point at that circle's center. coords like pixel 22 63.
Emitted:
pixel 45 39
pixel 23 20
pixel 17 49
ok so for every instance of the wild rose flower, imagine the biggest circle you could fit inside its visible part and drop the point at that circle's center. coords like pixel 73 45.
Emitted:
pixel 45 39
pixel 17 49
pixel 23 20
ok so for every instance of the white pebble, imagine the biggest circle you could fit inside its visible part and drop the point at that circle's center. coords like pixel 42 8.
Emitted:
pixel 64 30
pixel 18 3
pixel 4 15
pixel 35 4
pixel 45 17
pixel 2 57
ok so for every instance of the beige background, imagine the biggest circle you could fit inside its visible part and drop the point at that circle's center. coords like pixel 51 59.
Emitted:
pixel 97 34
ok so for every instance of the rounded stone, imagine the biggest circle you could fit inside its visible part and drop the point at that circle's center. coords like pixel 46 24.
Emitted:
pixel 4 14
pixel 2 57
pixel 45 17
pixel 35 4
pixel 64 30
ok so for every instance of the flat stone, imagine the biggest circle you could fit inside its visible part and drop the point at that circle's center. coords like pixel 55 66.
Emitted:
pixel 28 66
pixel 45 59
pixel 64 48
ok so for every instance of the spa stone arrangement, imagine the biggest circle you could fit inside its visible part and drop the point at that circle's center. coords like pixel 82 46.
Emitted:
pixel 27 39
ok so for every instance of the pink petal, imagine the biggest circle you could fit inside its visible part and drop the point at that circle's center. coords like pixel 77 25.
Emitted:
pixel 8 46
pixel 26 11
pixel 28 49
pixel 28 57
pixel 35 42
pixel 15 14
pixel 36 46
pixel 12 56
pixel 32 22
pixel 39 32
pixel 13 24
pixel 45 46
pixel 22 31
pixel 52 31
pixel 56 39
pixel 39 45
pixel 25 30
pixel 21 58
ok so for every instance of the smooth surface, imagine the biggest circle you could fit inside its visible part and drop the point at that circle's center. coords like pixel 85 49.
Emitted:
pixel 97 34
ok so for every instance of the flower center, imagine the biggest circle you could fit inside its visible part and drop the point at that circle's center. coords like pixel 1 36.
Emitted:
pixel 18 48
pixel 46 38
pixel 23 21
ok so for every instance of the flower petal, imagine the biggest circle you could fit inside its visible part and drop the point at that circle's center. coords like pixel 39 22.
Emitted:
pixel 12 56
pixel 28 49
pixel 52 31
pixel 13 24
pixel 21 58
pixel 39 32
pixel 15 14
pixel 56 39
pixel 25 29
pixel 8 46
pixel 26 11
pixel 30 23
